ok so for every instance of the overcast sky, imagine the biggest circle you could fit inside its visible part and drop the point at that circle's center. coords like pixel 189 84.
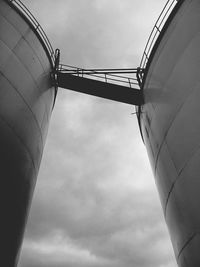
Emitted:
pixel 95 202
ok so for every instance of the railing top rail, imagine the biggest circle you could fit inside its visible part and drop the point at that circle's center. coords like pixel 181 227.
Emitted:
pixel 37 27
pixel 169 6
pixel 126 77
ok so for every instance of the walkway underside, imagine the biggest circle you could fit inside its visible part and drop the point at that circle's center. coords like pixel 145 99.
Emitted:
pixel 101 89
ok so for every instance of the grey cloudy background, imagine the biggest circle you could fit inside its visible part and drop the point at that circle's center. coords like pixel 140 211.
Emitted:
pixel 95 203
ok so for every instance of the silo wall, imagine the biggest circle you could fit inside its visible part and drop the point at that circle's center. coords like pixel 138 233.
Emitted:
pixel 171 128
pixel 26 101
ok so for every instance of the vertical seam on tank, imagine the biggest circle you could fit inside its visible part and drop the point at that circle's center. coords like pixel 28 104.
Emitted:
pixel 23 66
pixel 41 42
pixel 162 143
pixel 186 244
pixel 186 163
pixel 22 36
pixel 173 119
pixel 165 135
pixel 26 105
pixel 48 50
pixel 13 49
pixel 28 69
pixel 26 22
pixel 167 200
pixel 20 140
pixel 179 174
pixel 39 37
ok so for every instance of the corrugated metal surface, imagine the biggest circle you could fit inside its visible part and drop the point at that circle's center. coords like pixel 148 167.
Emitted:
pixel 26 101
pixel 171 129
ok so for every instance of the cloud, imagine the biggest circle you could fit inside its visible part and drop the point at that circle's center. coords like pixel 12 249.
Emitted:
pixel 98 33
pixel 95 202
pixel 93 191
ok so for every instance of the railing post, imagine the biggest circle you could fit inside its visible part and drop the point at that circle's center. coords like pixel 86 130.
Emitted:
pixel 106 78
pixel 156 31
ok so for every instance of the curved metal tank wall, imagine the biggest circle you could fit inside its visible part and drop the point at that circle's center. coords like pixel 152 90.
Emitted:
pixel 170 125
pixel 26 100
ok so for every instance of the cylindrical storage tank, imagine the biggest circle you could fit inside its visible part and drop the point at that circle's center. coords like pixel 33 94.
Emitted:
pixel 170 126
pixel 26 100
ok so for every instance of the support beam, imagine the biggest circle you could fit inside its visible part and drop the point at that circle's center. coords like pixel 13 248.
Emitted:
pixel 101 89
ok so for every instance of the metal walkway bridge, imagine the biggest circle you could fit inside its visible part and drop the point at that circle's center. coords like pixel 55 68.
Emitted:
pixel 122 85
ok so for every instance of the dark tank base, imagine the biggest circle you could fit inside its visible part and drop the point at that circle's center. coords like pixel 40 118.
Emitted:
pixel 17 180
pixel 26 102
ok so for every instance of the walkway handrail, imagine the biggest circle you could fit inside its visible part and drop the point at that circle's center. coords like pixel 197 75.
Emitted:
pixel 37 27
pixel 169 6
pixel 125 77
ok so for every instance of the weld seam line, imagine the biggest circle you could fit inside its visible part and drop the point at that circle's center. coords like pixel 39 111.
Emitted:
pixel 187 243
